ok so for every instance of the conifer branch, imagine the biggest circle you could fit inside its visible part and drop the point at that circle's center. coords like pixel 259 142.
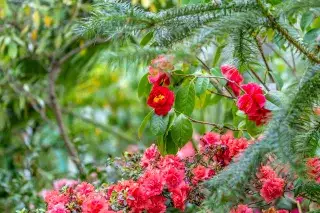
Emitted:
pixel 311 56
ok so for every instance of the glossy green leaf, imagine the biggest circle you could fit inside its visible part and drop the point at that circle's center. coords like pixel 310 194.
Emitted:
pixel 185 98
pixel 159 124
pixel 312 35
pixel 146 39
pixel 181 130
pixel 144 86
pixel 306 20
pixel 201 85
pixel 144 124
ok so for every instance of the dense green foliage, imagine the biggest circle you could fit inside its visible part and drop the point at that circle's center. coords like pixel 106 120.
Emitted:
pixel 97 55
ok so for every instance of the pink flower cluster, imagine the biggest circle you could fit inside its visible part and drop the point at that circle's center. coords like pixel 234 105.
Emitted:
pixel 272 185
pixel 227 147
pixel 82 196
pixel 164 181
pixel 253 101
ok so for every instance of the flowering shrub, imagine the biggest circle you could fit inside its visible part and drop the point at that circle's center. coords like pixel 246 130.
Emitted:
pixel 171 174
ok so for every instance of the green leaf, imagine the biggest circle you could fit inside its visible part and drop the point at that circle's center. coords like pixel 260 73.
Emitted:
pixel 284 203
pixel 171 147
pixel 144 124
pixel 311 35
pixel 271 106
pixel 275 100
pixel 145 40
pixel 185 98
pixel 144 86
pixel 306 20
pixel 216 72
pixel 13 50
pixel 181 131
pixel 201 85
pixel 252 128
pixel 159 124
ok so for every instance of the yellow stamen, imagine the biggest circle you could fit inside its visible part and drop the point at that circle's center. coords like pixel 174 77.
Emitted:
pixel 158 98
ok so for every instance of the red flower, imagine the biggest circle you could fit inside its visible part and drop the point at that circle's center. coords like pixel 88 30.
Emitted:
pixel 179 196
pixel 313 165
pixel 151 183
pixel 169 161
pixel 236 146
pixel 265 173
pixel 209 139
pixel 161 99
pixel 173 177
pixel 158 77
pixel 252 103
pixel 94 203
pixel 156 204
pixel 272 189
pixel 52 198
pixel 136 198
pixel 59 208
pixel 282 211
pixel 83 190
pixel 150 155
pixel 234 77
pixel 242 209
pixel 201 173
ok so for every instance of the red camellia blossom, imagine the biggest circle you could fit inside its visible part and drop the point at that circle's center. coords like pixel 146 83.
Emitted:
pixel 201 173
pixel 179 196
pixel 150 155
pixel 169 161
pixel 59 208
pixel 83 190
pixel 53 198
pixel 233 75
pixel 313 165
pixel 242 209
pixel 265 173
pixel 158 77
pixel 161 99
pixel 156 204
pixel 94 203
pixel 173 177
pixel 253 102
pixel 152 183
pixel 272 189
pixel 136 198
pixel 157 71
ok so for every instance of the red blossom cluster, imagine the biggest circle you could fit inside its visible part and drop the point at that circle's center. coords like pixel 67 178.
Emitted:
pixel 160 98
pixel 226 146
pixel 272 185
pixel 164 181
pixel 252 101
pixel 235 78
pixel 313 165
